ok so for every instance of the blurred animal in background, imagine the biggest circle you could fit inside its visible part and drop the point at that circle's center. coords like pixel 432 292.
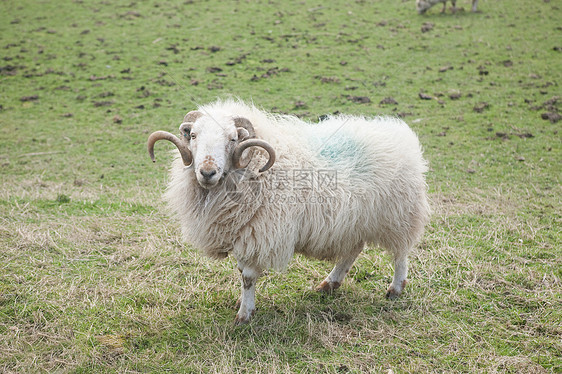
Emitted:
pixel 423 5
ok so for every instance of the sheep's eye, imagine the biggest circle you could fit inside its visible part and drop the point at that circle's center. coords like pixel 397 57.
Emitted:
pixel 193 136
pixel 233 139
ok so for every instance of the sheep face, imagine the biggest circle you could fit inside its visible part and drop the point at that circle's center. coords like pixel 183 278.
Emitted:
pixel 212 143
pixel 212 146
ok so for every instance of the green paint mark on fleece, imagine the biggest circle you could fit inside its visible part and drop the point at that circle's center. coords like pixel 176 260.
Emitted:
pixel 339 149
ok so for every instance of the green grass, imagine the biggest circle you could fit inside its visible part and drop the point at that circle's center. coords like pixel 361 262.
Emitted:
pixel 94 276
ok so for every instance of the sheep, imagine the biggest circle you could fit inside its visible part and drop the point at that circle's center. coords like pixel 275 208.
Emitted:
pixel 262 187
pixel 423 5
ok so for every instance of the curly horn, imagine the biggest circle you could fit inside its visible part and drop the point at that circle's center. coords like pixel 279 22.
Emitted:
pixel 192 116
pixel 164 135
pixel 253 143
pixel 246 124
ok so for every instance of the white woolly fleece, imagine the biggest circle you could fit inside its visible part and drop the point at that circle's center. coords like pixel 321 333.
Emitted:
pixel 379 195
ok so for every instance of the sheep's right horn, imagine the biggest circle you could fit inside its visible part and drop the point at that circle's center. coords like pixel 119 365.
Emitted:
pixel 192 116
pixel 253 143
pixel 164 135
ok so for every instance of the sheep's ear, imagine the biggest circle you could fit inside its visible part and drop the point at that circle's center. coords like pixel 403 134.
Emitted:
pixel 243 134
pixel 185 130
pixel 187 124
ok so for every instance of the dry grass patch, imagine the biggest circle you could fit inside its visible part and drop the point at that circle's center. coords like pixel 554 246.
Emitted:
pixel 107 290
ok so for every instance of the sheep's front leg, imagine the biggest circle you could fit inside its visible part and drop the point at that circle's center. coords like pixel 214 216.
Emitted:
pixel 444 7
pixel 247 300
pixel 474 5
pixel 334 280
pixel 400 274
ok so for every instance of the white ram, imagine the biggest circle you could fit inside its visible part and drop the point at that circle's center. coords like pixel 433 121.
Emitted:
pixel 323 190
pixel 423 5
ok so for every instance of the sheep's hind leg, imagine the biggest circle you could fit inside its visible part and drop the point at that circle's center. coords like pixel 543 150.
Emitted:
pixel 247 300
pixel 454 7
pixel 400 274
pixel 334 280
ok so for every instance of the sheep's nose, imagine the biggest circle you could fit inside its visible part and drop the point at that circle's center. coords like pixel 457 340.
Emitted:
pixel 207 174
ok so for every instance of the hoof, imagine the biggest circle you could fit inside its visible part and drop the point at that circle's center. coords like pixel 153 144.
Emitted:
pixel 243 318
pixel 393 293
pixel 328 287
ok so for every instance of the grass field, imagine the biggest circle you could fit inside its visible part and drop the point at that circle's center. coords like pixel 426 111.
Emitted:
pixel 94 277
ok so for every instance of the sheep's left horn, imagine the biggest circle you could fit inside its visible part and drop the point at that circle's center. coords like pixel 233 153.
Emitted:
pixel 246 124
pixel 164 135
pixel 253 143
